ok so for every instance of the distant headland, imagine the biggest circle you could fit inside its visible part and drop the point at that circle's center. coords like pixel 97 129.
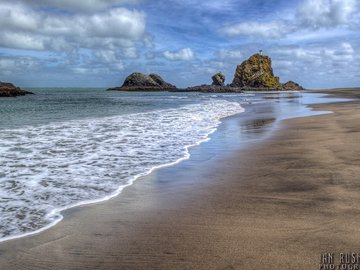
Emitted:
pixel 10 90
pixel 255 73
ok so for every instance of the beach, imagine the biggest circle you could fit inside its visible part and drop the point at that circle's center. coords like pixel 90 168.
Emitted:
pixel 279 201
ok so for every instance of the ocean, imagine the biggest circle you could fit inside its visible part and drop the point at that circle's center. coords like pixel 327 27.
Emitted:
pixel 62 148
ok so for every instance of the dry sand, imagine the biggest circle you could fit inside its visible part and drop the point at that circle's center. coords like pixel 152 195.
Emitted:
pixel 276 205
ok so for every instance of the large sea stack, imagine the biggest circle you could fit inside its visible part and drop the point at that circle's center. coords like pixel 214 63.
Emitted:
pixel 142 82
pixel 256 72
pixel 10 90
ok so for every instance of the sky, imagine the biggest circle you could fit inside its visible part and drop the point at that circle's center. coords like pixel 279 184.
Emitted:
pixel 97 43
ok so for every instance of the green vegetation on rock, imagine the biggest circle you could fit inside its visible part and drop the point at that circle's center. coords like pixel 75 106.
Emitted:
pixel 256 72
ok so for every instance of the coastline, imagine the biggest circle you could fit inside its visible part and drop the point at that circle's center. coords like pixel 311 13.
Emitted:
pixel 195 224
pixel 55 215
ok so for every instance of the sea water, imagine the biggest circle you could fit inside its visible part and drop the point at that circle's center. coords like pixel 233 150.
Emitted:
pixel 61 148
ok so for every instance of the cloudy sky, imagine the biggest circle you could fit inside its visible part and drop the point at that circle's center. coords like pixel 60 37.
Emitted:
pixel 96 43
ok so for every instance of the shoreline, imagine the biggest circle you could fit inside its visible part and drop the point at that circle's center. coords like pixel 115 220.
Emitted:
pixel 175 203
pixel 61 210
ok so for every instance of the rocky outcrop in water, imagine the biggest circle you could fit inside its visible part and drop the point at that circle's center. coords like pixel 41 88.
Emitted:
pixel 253 74
pixel 142 82
pixel 290 85
pixel 10 90
pixel 256 72
pixel 218 79
pixel 210 89
pixel 217 86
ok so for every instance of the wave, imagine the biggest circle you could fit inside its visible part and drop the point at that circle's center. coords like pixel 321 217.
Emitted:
pixel 47 169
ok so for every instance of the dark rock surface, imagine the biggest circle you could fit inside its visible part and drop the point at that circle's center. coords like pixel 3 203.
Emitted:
pixel 210 89
pixel 139 79
pixel 142 82
pixel 256 72
pixel 10 90
pixel 290 85
pixel 218 79
pixel 253 74
pixel 161 82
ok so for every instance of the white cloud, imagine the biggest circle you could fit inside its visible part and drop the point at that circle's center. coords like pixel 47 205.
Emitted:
pixel 326 58
pixel 211 5
pixel 9 65
pixel 149 41
pixel 106 56
pixel 86 43
pixel 118 66
pixel 21 41
pixel 26 28
pixel 344 54
pixel 185 54
pixel 326 13
pixel 130 52
pixel 229 54
pixel 256 29
pixel 346 49
pixel 309 15
pixel 77 5
pixel 113 68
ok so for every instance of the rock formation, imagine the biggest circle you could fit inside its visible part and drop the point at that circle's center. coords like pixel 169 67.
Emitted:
pixel 256 72
pixel 217 86
pixel 10 90
pixel 141 82
pixel 218 79
pixel 290 85
pixel 210 89
pixel 161 82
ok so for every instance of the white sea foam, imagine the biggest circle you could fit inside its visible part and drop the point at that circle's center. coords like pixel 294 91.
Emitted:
pixel 49 168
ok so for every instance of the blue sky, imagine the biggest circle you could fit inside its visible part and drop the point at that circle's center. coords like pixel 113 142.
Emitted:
pixel 97 43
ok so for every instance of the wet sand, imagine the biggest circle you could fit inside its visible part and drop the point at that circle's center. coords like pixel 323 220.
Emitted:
pixel 276 203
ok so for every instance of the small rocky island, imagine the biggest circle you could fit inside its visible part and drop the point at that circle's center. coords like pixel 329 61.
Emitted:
pixel 253 74
pixel 141 82
pixel 218 79
pixel 10 90
pixel 256 72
